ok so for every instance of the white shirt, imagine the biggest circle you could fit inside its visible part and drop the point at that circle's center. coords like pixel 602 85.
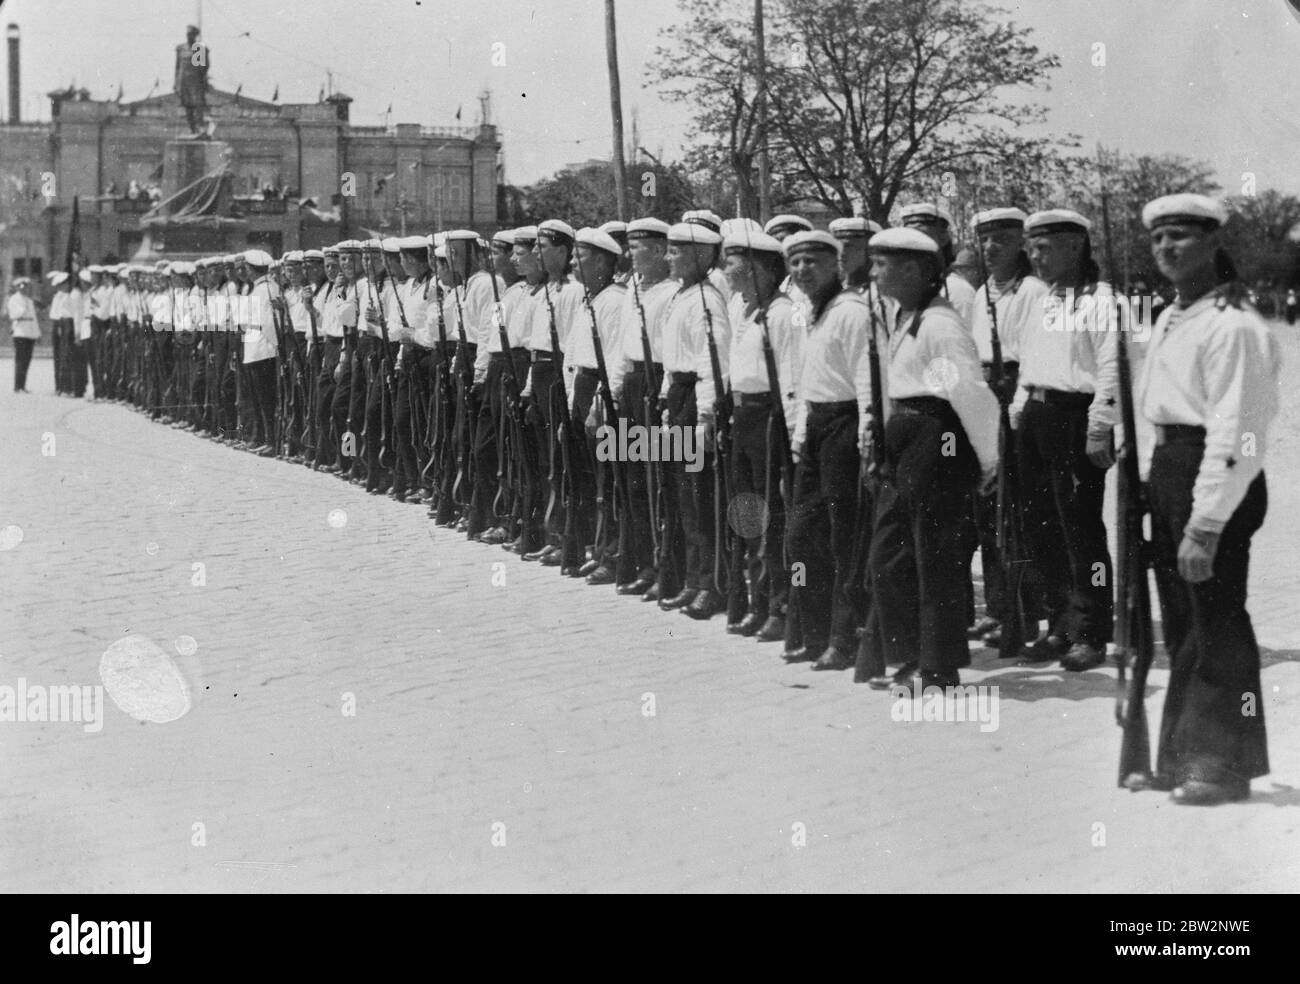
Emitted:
pixel 939 359
pixel 1214 366
pixel 1018 306
pixel 259 330
pixel 961 295
pixel 749 358
pixel 1072 348
pixel 686 341
pixel 339 311
pixel 497 314
pixel 21 310
pixel 835 363
pixel 628 348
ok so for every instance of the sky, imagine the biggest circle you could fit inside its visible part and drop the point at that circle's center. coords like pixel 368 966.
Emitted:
pixel 1211 79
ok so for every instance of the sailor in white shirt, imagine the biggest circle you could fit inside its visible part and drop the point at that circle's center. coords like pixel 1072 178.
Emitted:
pixel 410 396
pixel 340 313
pixel 1208 389
pixel 760 316
pixel 1017 306
pixel 940 444
pixel 550 378
pixel 713 222
pixel 935 222
pixel 834 393
pixel 496 435
pixel 471 310
pixel 1064 412
pixel 781 228
pixel 636 390
pixel 79 302
pixel 693 395
pixel 21 311
pixel 260 350
pixel 100 311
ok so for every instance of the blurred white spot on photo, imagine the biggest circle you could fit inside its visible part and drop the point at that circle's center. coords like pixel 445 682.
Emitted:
pixel 151 548
pixel 338 518
pixel 144 681
pixel 186 645
pixel 10 537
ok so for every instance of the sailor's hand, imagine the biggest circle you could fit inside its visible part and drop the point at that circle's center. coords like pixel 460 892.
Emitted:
pixel 988 480
pixel 1101 450
pixel 1196 555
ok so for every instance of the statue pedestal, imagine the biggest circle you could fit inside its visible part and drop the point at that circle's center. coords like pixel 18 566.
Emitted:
pixel 185 161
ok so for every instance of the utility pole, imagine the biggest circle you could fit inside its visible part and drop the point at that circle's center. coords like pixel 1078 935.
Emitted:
pixel 764 174
pixel 616 106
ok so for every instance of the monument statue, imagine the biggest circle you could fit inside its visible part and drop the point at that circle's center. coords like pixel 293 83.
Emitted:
pixel 192 64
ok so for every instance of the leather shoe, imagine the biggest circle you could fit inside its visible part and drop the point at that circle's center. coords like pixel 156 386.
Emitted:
pixel 1082 656
pixel 546 551
pixel 601 575
pixel 680 600
pixel 1197 792
pixel 983 627
pixel 1045 650
pixel 638 587
pixel 748 625
pixel 494 535
pixel 589 567
pixel 653 593
pixel 567 571
pixel 554 559
pixel 902 677
pixel 773 629
pixel 804 654
pixel 835 658
pixel 705 605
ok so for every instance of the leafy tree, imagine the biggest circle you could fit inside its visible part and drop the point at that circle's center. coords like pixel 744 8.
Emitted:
pixel 587 196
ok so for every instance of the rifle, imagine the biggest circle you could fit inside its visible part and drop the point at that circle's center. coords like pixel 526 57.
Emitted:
pixel 721 444
pixel 778 445
pixel 509 417
pixel 561 427
pixel 309 435
pixel 387 455
pixel 1134 635
pixel 648 400
pixel 611 415
pixel 464 380
pixel 1009 535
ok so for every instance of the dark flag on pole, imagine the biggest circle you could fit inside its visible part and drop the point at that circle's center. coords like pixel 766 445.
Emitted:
pixel 73 259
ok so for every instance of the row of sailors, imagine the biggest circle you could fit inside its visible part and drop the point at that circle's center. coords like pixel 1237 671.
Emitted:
pixel 883 572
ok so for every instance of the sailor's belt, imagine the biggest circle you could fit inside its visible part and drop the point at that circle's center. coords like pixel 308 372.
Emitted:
pixel 684 378
pixel 754 399
pixel 501 356
pixel 640 366
pixel 835 406
pixel 590 372
pixel 929 406
pixel 1060 398
pixel 416 347
pixel 1179 434
pixel 539 356
pixel 332 339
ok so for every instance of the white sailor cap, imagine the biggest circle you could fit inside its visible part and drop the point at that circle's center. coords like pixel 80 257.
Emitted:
pixel 162 266
pixel 647 228
pixel 20 282
pixel 462 236
pixel 230 258
pixel 597 239
pixel 349 246
pixel 694 234
pixel 811 239
pixel 853 227
pixel 313 254
pixel 95 268
pixel 704 217
pixel 503 237
pixel 58 277
pixel 257 257
pixel 525 234
pixel 440 252
pixel 795 221
pixel 1201 209
pixel 902 240
pixel 999 218
pixel 182 269
pixel 388 244
pixel 1053 220
pixel 615 228
pixel 413 244
pixel 372 246
pixel 743 239
pixel 438 239
pixel 924 213
pixel 293 256
pixel 84 275
pixel 556 227
pixel 738 226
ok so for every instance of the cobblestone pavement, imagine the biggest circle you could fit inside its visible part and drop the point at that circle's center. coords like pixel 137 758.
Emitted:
pixel 379 706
